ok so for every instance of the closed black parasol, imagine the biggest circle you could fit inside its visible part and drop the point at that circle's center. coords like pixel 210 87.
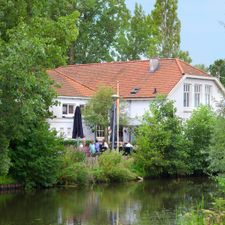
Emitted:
pixel 77 124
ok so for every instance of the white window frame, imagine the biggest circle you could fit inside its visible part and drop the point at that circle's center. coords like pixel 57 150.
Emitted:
pixel 197 95
pixel 100 132
pixel 208 93
pixel 68 111
pixel 187 95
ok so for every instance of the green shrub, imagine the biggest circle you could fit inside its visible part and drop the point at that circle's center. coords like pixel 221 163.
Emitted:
pixel 7 180
pixel 36 158
pixel 217 148
pixel 5 161
pixel 73 168
pixel 67 142
pixel 112 167
pixel 199 131
pixel 72 142
pixel 4 155
pixel 161 145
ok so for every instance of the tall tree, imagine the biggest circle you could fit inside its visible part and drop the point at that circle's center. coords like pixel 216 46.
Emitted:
pixel 134 41
pixel 217 69
pixel 25 90
pixel 99 24
pixel 166 27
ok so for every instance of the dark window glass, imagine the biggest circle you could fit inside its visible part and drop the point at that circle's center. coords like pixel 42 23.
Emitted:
pixel 71 107
pixel 64 109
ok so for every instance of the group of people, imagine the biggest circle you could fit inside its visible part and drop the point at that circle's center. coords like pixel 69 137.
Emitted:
pixel 96 148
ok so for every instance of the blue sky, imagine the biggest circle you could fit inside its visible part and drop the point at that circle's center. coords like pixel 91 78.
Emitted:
pixel 201 31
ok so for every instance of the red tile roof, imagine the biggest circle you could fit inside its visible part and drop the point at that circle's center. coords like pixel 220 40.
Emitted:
pixel 82 80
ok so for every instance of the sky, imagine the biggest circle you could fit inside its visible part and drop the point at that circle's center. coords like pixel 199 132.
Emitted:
pixel 202 33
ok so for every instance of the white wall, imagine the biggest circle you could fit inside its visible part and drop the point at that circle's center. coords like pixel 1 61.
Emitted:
pixel 135 108
pixel 64 124
pixel 177 95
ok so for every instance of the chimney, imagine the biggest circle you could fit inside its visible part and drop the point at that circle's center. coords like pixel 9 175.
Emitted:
pixel 154 65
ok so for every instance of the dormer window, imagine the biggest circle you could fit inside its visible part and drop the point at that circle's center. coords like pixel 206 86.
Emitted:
pixel 135 90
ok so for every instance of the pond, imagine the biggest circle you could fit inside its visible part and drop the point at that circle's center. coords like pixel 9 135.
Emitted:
pixel 155 202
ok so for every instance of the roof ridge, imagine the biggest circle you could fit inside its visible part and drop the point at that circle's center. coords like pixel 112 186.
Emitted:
pixel 193 67
pixel 114 62
pixel 70 78
pixel 100 63
pixel 179 66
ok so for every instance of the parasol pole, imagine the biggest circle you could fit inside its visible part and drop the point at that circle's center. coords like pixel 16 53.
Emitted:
pixel 118 113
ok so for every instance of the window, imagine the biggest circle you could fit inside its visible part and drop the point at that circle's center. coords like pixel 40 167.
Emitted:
pixel 187 95
pixel 197 94
pixel 207 94
pixel 64 109
pixel 71 109
pixel 100 132
pixel 68 109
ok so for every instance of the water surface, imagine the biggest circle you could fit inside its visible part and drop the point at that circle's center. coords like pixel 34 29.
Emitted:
pixel 156 202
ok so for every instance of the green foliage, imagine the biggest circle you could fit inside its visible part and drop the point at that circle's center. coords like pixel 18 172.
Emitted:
pixel 7 180
pixel 31 42
pixel 113 167
pixel 99 25
pixel 36 158
pixel 217 69
pixel 199 130
pixel 217 148
pixel 97 109
pixel 184 55
pixel 73 168
pixel 166 27
pixel 134 43
pixel 161 145
pixel 201 216
pixel 202 67
pixel 53 37
pixel 221 182
pixel 4 156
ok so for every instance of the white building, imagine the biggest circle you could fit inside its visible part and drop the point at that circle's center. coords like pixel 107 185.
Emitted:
pixel 140 82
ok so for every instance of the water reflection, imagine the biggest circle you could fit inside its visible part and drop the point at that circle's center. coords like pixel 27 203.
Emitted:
pixel 153 202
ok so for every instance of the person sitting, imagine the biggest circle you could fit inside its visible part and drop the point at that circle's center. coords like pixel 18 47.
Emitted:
pixel 104 146
pixel 128 148
pixel 92 148
pixel 97 146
